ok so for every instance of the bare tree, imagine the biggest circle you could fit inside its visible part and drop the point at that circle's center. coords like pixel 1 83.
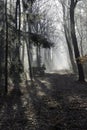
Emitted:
pixel 74 39
pixel 66 24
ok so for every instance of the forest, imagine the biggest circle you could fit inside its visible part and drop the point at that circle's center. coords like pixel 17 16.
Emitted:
pixel 43 64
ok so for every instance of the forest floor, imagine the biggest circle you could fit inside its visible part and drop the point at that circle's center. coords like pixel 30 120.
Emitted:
pixel 52 102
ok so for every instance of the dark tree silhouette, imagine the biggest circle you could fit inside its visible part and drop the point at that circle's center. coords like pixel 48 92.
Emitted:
pixel 6 51
pixel 74 40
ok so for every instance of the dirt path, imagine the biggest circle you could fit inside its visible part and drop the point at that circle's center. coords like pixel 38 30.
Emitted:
pixel 52 102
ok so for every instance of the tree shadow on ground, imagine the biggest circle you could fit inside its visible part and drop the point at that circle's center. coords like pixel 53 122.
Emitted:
pixel 12 112
pixel 48 111
pixel 52 102
pixel 59 102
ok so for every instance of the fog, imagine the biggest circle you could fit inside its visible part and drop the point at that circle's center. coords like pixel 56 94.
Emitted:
pixel 59 57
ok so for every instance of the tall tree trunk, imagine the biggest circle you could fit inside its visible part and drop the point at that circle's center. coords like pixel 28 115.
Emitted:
pixel 6 50
pixel 38 56
pixel 67 36
pixel 19 36
pixel 23 52
pixel 29 49
pixel 18 26
pixel 74 40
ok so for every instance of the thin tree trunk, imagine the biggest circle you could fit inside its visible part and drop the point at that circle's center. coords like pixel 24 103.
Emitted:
pixel 38 56
pixel 19 36
pixel 29 49
pixel 74 41
pixel 70 51
pixel 67 36
pixel 23 52
pixel 6 51
pixel 18 26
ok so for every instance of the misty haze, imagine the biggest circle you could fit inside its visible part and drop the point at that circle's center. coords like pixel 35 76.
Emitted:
pixel 43 64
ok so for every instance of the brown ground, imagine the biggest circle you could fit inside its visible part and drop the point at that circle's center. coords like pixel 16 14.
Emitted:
pixel 52 102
